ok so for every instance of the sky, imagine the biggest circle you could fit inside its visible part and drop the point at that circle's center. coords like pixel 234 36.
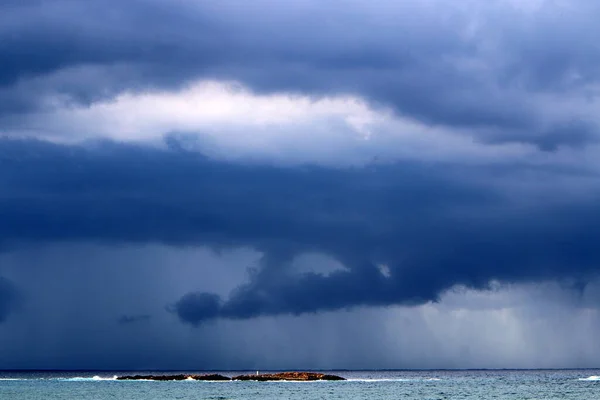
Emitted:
pixel 191 184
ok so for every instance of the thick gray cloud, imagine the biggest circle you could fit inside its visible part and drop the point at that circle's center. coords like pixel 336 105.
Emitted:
pixel 574 134
pixel 483 66
pixel 404 232
pixel 75 292
pixel 515 76
pixel 132 319
pixel 8 298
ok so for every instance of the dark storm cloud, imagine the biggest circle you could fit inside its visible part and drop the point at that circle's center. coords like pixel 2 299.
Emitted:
pixel 132 319
pixel 8 298
pixel 404 232
pixel 439 63
pixel 44 37
pixel 574 134
pixel 88 51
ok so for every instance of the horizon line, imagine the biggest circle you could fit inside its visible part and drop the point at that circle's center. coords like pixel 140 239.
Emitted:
pixel 298 369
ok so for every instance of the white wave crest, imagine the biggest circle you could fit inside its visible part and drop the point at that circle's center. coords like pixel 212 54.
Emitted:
pixel 95 378
pixel 591 378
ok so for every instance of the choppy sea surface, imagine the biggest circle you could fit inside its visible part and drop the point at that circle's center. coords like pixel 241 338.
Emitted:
pixel 422 385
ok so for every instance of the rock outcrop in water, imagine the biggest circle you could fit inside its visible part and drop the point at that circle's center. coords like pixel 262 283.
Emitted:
pixel 281 376
pixel 180 377
pixel 289 376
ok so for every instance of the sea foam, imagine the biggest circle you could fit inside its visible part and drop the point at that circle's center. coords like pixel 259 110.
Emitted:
pixel 95 378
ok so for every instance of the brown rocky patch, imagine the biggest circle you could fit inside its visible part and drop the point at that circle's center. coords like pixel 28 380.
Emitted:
pixel 289 376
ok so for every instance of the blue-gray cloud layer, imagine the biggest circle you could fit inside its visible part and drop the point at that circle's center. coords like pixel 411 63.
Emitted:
pixel 403 232
pixel 484 67
pixel 433 225
pixel 8 298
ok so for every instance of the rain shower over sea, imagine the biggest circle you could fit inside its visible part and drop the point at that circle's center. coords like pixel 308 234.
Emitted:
pixel 422 385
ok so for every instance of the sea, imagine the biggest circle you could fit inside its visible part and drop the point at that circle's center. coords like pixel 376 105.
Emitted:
pixel 422 385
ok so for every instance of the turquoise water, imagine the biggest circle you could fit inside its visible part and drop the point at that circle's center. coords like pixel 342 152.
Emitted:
pixel 423 385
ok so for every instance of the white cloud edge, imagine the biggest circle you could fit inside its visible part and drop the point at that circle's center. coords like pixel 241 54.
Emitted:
pixel 229 121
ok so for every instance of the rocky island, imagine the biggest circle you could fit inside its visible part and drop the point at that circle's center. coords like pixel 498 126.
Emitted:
pixel 281 376
pixel 289 376
pixel 179 377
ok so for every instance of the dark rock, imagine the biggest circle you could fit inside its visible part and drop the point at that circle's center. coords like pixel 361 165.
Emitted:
pixel 179 377
pixel 289 376
pixel 281 376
